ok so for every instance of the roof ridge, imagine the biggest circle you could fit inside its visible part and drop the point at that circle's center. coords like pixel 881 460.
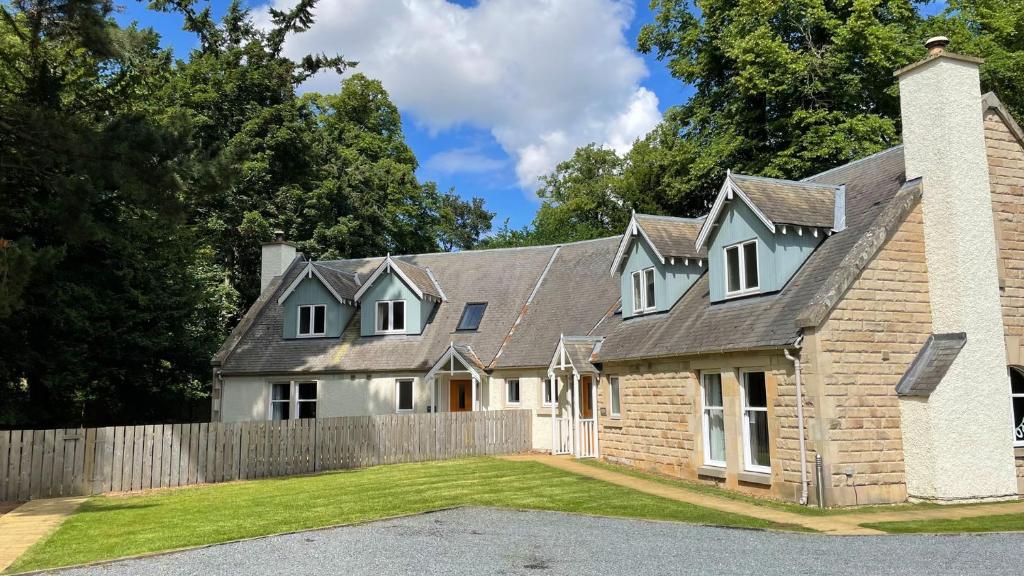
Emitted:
pixel 482 251
pixel 673 218
pixel 781 180
pixel 852 162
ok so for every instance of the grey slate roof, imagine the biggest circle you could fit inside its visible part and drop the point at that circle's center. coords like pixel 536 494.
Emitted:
pixel 420 277
pixel 789 202
pixel 673 237
pixel 344 283
pixel 930 364
pixel 695 325
pixel 504 278
pixel 579 351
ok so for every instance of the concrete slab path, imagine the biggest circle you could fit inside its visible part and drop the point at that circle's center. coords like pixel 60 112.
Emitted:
pixel 30 522
pixel 839 524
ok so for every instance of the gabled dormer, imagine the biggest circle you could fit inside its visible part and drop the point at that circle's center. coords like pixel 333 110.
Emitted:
pixel 761 230
pixel 397 298
pixel 658 262
pixel 318 303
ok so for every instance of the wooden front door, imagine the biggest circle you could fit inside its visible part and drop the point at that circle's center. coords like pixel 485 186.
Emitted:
pixel 586 402
pixel 460 396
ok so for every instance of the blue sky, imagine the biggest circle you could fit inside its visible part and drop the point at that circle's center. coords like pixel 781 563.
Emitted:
pixel 463 152
pixel 493 93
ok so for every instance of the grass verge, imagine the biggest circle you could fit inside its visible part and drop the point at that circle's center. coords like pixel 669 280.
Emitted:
pixel 1000 523
pixel 108 527
pixel 711 490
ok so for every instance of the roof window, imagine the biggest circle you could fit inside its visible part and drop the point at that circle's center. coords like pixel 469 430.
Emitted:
pixel 472 314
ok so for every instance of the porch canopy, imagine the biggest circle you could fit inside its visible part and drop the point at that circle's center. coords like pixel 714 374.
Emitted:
pixel 572 359
pixel 458 360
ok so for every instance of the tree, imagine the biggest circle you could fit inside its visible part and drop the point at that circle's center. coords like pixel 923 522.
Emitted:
pixel 783 88
pixel 462 222
pixel 100 312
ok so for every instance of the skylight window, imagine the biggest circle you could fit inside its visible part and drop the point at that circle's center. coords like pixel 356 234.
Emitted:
pixel 472 314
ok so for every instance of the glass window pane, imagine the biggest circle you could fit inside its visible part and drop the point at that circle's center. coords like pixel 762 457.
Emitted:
pixel 546 385
pixel 750 264
pixel 319 319
pixel 649 281
pixel 1016 381
pixel 513 391
pixel 759 439
pixel 732 264
pixel 716 435
pixel 713 390
pixel 281 391
pixel 303 319
pixel 279 410
pixel 1018 418
pixel 307 409
pixel 398 313
pixel 405 395
pixel 757 397
pixel 471 316
pixel 614 385
pixel 307 391
pixel 383 321
pixel 638 299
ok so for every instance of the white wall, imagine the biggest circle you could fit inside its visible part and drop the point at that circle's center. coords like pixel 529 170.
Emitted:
pixel 956 441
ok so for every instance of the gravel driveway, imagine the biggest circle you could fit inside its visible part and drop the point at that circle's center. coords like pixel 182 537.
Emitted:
pixel 487 541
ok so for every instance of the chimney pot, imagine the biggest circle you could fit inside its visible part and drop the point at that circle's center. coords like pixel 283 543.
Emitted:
pixel 278 235
pixel 936 45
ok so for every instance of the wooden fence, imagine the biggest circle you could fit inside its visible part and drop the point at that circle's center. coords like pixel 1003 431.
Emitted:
pixel 79 461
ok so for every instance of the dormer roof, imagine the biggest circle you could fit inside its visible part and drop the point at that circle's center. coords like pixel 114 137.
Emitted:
pixel 418 279
pixel 669 238
pixel 341 285
pixel 779 203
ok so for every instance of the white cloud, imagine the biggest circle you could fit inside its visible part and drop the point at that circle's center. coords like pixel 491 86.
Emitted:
pixel 462 160
pixel 543 76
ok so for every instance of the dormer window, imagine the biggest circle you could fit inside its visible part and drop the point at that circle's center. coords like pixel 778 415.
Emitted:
pixel 741 269
pixel 643 291
pixel 312 321
pixel 390 316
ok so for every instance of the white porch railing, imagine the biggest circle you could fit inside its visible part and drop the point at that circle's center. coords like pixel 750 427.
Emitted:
pixel 588 439
pixel 563 435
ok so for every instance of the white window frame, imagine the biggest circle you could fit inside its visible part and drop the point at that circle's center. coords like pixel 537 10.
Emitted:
pixel 312 321
pixel 293 398
pixel 519 392
pixel 745 289
pixel 398 395
pixel 391 317
pixel 706 410
pixel 745 411
pixel 545 388
pixel 641 305
pixel 614 397
pixel 1013 417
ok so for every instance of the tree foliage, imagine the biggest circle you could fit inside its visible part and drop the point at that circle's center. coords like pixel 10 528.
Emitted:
pixel 782 88
pixel 135 191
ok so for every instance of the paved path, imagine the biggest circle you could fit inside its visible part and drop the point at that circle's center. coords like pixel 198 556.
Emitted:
pixel 848 524
pixel 487 541
pixel 26 524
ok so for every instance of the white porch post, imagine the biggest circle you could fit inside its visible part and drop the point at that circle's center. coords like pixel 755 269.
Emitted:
pixel 594 380
pixel 554 424
pixel 576 413
pixel 432 382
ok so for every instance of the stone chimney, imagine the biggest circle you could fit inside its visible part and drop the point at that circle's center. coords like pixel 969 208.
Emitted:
pixel 957 441
pixel 277 255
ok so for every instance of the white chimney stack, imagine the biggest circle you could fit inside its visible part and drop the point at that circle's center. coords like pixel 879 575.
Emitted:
pixel 277 256
pixel 957 442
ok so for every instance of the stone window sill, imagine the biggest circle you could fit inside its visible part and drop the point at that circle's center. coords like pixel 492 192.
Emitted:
pixel 1018 451
pixel 711 471
pixel 755 478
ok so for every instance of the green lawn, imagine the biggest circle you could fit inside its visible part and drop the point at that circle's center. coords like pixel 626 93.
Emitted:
pixel 1002 523
pixel 788 507
pixel 111 527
